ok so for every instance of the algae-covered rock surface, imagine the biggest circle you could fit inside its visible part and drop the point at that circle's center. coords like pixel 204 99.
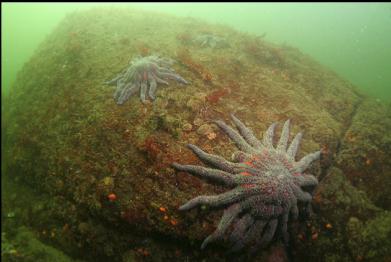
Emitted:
pixel 366 149
pixel 106 168
pixel 32 248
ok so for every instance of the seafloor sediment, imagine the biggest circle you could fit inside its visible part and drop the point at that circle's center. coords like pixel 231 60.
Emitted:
pixel 104 170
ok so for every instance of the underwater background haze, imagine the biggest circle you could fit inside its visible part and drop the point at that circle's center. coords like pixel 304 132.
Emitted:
pixel 353 39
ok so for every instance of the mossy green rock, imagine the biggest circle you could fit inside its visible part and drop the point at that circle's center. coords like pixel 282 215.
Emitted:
pixel 347 225
pixel 365 151
pixel 369 241
pixel 27 247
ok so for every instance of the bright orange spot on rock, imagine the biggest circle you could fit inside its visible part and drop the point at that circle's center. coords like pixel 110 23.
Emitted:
pixel 143 252
pixel 314 236
pixel 248 185
pixel 162 209
pixel 317 198
pixel 328 226
pixel 165 217
pixel 112 197
pixel 245 174
pixel 248 163
pixel 173 222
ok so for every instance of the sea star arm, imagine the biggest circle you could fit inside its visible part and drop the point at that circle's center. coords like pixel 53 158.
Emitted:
pixel 268 137
pixel 294 210
pixel 118 90
pixel 266 237
pixel 119 87
pixel 304 163
pixel 143 91
pixel 211 174
pixel 160 81
pixel 306 180
pixel 300 194
pixel 172 76
pixel 129 74
pixel 284 228
pixel 282 144
pixel 228 217
pixel 218 176
pixel 114 80
pixel 241 227
pixel 217 161
pixel 267 211
pixel 251 234
pixel 152 86
pixel 240 157
pixel 165 70
pixel 292 150
pixel 126 92
pixel 238 139
pixel 215 201
pixel 246 133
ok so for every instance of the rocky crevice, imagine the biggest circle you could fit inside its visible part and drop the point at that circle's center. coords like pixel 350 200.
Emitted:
pixel 330 157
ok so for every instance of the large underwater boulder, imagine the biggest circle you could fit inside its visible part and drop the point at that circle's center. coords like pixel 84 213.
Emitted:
pixel 107 167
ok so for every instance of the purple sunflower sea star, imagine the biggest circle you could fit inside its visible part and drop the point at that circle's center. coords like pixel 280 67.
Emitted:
pixel 143 75
pixel 266 185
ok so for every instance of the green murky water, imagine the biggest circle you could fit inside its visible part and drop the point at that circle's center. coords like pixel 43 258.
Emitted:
pixel 352 39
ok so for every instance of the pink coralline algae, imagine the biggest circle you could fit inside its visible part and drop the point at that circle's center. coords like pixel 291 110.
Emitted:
pixel 266 185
